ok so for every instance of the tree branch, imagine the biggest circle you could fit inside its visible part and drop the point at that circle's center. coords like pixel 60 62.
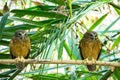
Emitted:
pixel 76 62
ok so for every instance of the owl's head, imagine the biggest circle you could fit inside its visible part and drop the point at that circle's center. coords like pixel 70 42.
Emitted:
pixel 92 35
pixel 21 34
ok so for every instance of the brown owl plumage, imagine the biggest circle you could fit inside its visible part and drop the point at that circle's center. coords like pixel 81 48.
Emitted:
pixel 20 47
pixel 90 48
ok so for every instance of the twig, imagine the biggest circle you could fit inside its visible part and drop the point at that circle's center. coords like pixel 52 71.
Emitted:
pixel 76 62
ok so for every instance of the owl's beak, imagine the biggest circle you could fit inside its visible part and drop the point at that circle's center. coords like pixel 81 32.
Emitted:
pixel 23 37
pixel 94 38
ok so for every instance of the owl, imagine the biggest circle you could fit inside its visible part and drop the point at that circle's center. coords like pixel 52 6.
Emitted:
pixel 20 47
pixel 90 48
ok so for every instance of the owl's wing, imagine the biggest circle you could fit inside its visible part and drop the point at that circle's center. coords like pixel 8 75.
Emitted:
pixel 10 45
pixel 28 45
pixel 27 54
pixel 99 50
pixel 13 57
pixel 80 48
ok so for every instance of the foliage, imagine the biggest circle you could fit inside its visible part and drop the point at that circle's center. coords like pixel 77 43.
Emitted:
pixel 54 28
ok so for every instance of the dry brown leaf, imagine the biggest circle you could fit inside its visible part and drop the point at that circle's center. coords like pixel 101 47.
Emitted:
pixel 5 8
pixel 37 3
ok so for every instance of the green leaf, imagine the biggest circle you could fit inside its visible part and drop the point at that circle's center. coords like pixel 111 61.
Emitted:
pixel 60 51
pixel 106 75
pixel 117 73
pixel 70 6
pixel 116 42
pixel 4 42
pixel 70 53
pixel 5 66
pixel 21 26
pixel 3 76
pixel 2 23
pixel 4 56
pixel 116 7
pixel 6 73
pixel 117 10
pixel 39 13
pixel 98 22
pixel 111 25
pixel 36 23
pixel 42 8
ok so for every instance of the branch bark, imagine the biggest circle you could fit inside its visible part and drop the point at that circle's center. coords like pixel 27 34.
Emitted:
pixel 76 62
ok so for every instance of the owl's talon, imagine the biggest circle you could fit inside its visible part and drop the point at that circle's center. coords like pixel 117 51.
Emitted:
pixel 22 59
pixel 17 59
pixel 86 60
pixel 93 60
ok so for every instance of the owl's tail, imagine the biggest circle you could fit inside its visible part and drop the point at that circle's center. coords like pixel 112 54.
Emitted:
pixel 20 66
pixel 91 67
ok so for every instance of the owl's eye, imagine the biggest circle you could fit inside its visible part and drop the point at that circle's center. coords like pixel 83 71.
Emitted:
pixel 91 35
pixel 25 34
pixel 19 34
